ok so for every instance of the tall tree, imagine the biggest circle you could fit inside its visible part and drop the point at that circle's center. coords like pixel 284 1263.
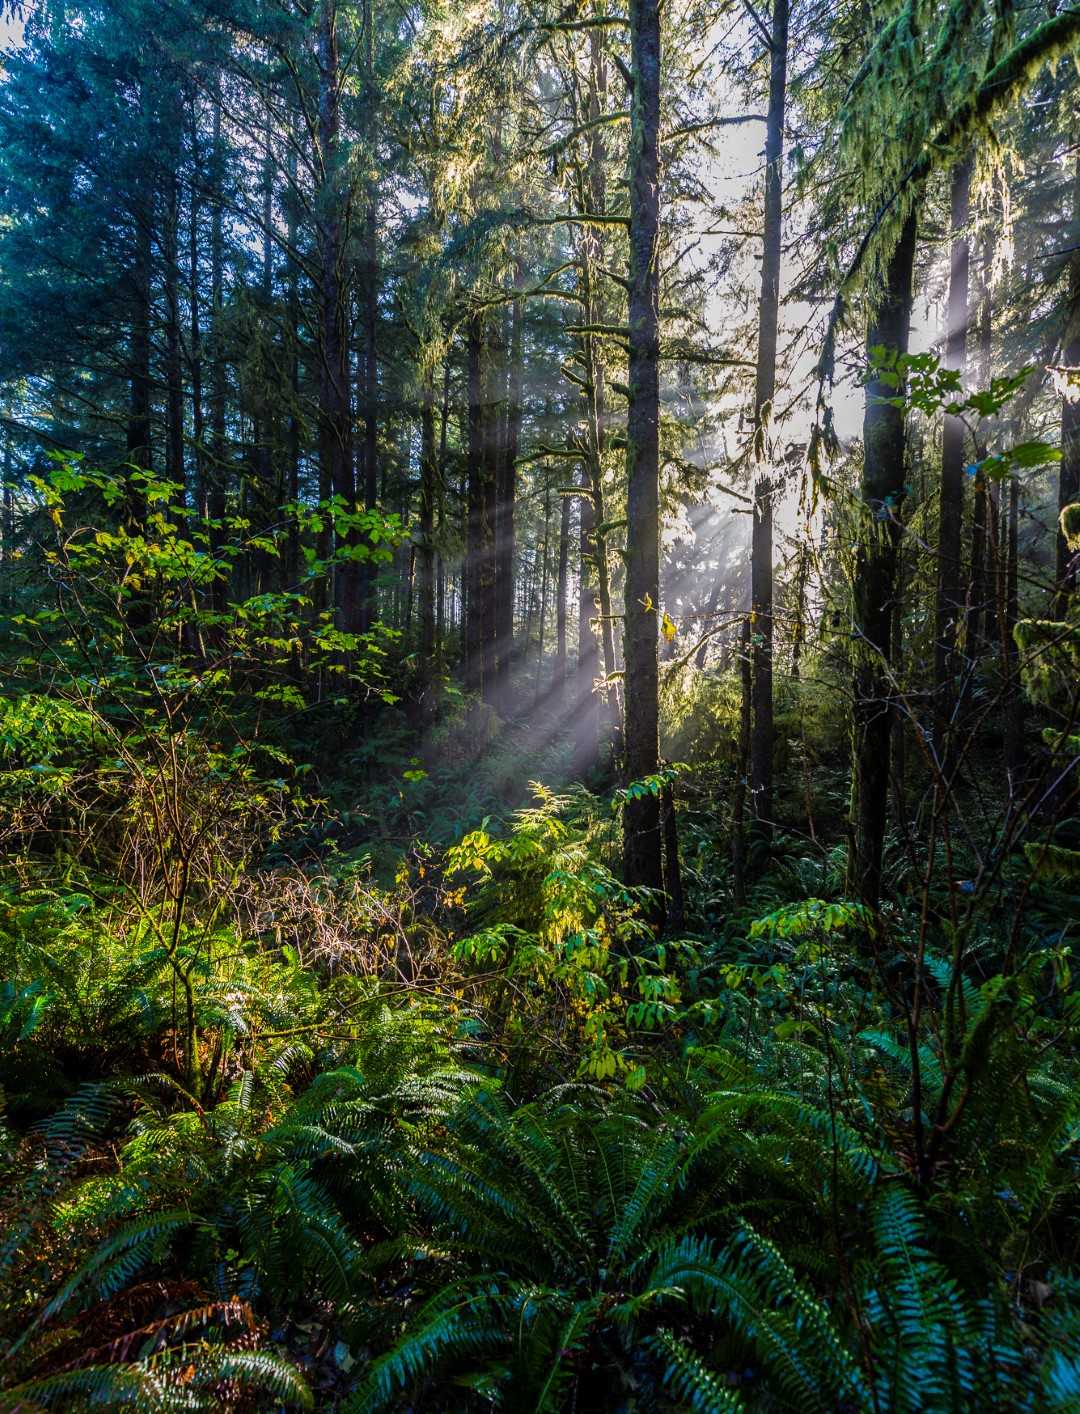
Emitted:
pixel 1069 471
pixel 881 494
pixel 558 685
pixel 642 836
pixel 336 445
pixel 506 494
pixel 482 504
pixel 761 571
pixel 587 712
pixel 370 302
pixel 951 500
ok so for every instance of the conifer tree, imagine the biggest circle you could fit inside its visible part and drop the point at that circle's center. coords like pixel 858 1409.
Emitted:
pixel 642 841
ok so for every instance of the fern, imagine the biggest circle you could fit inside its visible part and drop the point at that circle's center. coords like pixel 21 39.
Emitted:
pixel 691 1381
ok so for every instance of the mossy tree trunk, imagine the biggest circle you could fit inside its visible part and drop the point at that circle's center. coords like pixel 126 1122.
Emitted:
pixel 951 501
pixel 882 493
pixel 761 554
pixel 642 837
pixel 1069 474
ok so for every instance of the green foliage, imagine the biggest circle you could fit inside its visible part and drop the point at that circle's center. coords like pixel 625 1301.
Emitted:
pixel 258 1199
pixel 562 1207
pixel 1069 522
pixel 338 1066
pixel 565 935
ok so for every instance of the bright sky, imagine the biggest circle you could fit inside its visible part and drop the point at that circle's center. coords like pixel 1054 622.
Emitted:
pixel 10 32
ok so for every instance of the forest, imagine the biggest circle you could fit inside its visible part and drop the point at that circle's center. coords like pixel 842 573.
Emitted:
pixel 539 706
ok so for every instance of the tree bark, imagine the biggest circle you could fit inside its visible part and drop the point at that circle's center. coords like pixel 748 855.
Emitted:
pixel 429 475
pixel 898 763
pixel 558 685
pixel 139 450
pixel 593 197
pixel 1013 705
pixel 198 429
pixel 673 889
pixel 741 753
pixel 544 565
pixel 493 386
pixel 291 568
pixel 478 548
pixel 174 368
pixel 761 555
pixel 881 493
pixel 440 502
pixel 973 639
pixel 587 715
pixel 1069 470
pixel 335 439
pixel 370 320
pixel 642 843
pixel 217 461
pixel 7 515
pixel 218 375
pixel 951 500
pixel 507 495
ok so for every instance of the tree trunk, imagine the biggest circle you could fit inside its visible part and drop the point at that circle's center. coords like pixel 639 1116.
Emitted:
pixel 138 428
pixel 429 475
pixel 217 461
pixel 268 489
pixel 507 493
pixel 741 753
pixel 7 526
pixel 798 631
pixel 335 440
pixel 761 555
pixel 410 585
pixel 997 534
pixel 477 548
pixel 291 568
pixel 973 639
pixel 526 590
pixel 1069 471
pixel 882 494
pixel 440 502
pixel 587 715
pixel 1013 705
pixel 493 391
pixel 218 379
pixel 198 430
pixel 642 844
pixel 594 198
pixel 558 685
pixel 544 561
pixel 174 368
pixel 370 320
pixel 898 763
pixel 673 889
pixel 951 502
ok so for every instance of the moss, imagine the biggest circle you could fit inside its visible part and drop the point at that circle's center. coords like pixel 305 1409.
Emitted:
pixel 1070 525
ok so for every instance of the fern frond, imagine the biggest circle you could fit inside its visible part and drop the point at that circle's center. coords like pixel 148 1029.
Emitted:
pixel 112 1264
pixel 259 1372
pixel 461 1323
pixel 133 1384
pixel 691 1381
pixel 754 1288
pixel 662 1173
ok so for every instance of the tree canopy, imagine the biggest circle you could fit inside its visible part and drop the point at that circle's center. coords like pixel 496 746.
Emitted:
pixel 539 705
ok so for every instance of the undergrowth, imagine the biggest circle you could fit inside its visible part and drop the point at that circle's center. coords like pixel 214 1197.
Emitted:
pixel 351 1083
